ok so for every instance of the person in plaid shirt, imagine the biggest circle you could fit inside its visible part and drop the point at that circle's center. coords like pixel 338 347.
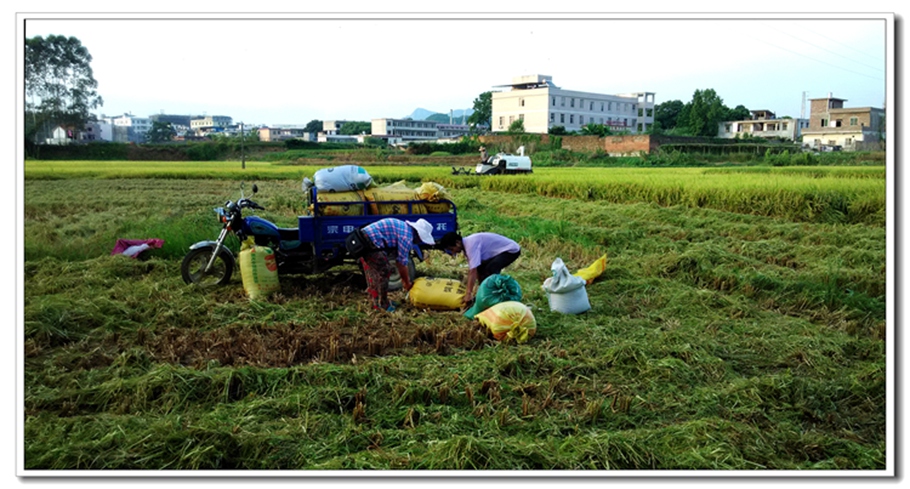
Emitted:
pixel 391 235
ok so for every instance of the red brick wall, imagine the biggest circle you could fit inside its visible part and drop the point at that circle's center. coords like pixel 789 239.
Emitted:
pixel 614 145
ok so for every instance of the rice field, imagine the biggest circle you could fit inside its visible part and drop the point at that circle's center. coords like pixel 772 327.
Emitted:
pixel 740 326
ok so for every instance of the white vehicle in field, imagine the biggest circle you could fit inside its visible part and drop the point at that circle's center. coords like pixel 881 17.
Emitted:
pixel 500 164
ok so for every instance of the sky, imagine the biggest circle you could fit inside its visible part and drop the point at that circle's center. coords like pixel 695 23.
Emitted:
pixel 290 68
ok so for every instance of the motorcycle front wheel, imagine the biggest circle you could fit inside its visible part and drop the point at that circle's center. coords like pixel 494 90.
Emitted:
pixel 193 266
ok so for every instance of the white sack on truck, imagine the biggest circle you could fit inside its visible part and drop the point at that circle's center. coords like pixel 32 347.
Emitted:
pixel 344 178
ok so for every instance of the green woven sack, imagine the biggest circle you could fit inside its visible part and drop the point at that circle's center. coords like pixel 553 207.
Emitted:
pixel 493 290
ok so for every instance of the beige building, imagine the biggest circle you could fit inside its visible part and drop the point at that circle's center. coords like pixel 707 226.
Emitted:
pixel 282 133
pixel 331 128
pixel 763 124
pixel 852 129
pixel 542 105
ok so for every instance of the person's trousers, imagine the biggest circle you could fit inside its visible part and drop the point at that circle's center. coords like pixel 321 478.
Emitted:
pixel 495 265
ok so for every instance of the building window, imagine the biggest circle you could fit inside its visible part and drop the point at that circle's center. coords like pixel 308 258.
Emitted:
pixel 601 106
pixel 650 112
pixel 610 106
pixel 853 121
pixel 581 120
pixel 500 121
pixel 824 122
pixel 591 107
pixel 552 117
pixel 571 118
pixel 572 103
pixel 837 123
pixel 784 126
pixel 562 101
pixel 521 102
pixel 554 101
pixel 562 118
pixel 521 117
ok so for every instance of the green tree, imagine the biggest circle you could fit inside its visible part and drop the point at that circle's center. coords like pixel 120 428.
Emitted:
pixel 160 132
pixel 59 85
pixel 314 125
pixel 483 110
pixel 740 113
pixel 667 113
pixel 705 112
pixel 517 127
pixel 353 128
pixel 596 130
pixel 558 131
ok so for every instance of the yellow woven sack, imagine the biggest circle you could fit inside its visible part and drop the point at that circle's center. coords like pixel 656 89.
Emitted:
pixel 395 191
pixel 344 208
pixel 593 270
pixel 437 293
pixel 510 320
pixel 434 192
pixel 258 269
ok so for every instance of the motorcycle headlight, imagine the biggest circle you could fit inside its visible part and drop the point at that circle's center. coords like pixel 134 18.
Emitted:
pixel 222 216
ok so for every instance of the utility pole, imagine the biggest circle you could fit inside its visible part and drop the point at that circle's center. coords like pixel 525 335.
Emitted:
pixel 242 152
pixel 802 110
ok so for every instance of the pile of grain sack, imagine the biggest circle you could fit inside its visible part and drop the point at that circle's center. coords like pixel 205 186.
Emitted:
pixel 345 190
pixel 497 304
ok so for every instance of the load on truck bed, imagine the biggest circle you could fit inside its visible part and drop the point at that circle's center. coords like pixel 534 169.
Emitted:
pixel 325 227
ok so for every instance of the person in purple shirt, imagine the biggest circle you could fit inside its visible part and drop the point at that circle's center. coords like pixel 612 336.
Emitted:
pixel 391 236
pixel 487 254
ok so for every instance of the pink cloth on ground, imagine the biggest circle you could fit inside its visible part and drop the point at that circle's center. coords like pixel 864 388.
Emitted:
pixel 123 244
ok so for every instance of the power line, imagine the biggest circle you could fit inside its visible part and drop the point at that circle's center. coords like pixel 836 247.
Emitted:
pixel 828 50
pixel 838 42
pixel 823 62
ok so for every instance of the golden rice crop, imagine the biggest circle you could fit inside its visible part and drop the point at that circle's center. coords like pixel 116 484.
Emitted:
pixel 813 194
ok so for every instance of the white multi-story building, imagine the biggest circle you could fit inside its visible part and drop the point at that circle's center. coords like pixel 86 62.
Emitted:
pixel 282 133
pixel 763 124
pixel 210 123
pixel 535 100
pixel 130 128
pixel 451 131
pixel 406 129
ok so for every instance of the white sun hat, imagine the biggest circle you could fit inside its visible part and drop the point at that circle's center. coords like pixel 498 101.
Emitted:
pixel 424 230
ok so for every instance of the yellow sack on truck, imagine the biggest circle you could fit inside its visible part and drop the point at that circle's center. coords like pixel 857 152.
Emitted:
pixel 437 293
pixel 434 192
pixel 593 270
pixel 510 320
pixel 344 207
pixel 258 269
pixel 396 191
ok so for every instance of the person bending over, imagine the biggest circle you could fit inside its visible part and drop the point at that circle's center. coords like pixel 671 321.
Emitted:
pixel 487 254
pixel 386 236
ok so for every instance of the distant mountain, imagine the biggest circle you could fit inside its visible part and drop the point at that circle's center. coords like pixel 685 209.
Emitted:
pixel 424 114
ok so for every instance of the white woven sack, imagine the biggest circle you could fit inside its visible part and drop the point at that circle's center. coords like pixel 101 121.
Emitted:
pixel 344 178
pixel 574 301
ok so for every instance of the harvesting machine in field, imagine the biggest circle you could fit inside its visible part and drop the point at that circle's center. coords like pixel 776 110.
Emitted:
pixel 500 164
